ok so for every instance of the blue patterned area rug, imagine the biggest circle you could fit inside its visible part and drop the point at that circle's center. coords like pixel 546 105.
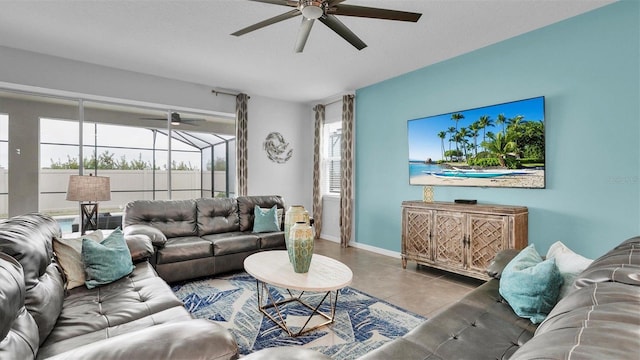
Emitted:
pixel 362 322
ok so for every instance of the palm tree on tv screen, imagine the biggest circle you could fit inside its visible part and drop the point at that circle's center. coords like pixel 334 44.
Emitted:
pixel 501 120
pixel 485 121
pixel 442 135
pixel 501 146
pixel 457 117
pixel 475 130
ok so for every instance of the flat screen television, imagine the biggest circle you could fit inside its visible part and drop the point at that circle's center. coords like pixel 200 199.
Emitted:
pixel 500 145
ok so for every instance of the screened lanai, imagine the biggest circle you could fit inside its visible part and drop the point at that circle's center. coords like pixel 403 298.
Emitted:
pixel 141 149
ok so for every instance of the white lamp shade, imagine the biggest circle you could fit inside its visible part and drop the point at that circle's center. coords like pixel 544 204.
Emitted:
pixel 88 188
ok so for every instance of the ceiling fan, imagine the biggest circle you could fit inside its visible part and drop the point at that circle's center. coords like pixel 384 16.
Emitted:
pixel 326 11
pixel 176 120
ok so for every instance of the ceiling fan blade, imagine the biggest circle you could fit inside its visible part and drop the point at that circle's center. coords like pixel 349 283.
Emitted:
pixel 273 20
pixel 303 34
pixel 341 29
pixel 279 2
pixel 375 13
pixel 191 121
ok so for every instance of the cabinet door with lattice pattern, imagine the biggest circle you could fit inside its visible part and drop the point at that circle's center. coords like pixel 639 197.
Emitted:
pixel 416 244
pixel 448 238
pixel 488 234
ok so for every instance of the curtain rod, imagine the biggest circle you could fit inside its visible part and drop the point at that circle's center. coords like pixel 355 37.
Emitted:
pixel 336 100
pixel 216 92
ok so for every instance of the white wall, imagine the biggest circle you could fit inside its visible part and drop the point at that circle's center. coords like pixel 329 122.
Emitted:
pixel 50 72
pixel 331 218
pixel 293 179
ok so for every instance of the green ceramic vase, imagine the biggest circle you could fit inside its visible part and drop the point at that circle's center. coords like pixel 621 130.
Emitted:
pixel 301 238
pixel 294 214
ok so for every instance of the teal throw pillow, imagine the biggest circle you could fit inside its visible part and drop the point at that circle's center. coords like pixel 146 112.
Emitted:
pixel 106 261
pixel 531 285
pixel 266 220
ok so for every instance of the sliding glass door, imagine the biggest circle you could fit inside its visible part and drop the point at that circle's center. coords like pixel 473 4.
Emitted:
pixel 148 153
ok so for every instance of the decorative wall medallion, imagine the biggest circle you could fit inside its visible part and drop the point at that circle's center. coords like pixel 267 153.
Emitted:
pixel 277 148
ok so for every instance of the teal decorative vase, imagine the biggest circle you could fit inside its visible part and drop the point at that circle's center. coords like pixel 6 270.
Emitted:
pixel 301 238
pixel 294 214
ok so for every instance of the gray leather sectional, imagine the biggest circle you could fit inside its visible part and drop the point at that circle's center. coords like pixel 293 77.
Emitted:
pixel 201 237
pixel 599 319
pixel 135 317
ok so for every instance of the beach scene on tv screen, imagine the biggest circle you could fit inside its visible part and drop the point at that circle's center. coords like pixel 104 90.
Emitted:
pixel 500 145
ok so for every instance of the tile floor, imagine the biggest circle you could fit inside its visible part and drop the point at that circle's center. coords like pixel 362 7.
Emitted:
pixel 417 288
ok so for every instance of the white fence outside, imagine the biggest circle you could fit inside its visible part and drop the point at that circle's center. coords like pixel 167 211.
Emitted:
pixel 126 185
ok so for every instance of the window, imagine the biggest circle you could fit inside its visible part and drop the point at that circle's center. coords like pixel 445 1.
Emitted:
pixel 332 138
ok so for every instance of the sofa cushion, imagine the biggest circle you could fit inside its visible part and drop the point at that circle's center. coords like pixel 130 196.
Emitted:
pixel 595 322
pixel 180 339
pixel 184 248
pixel 18 330
pixel 272 240
pixel 232 243
pixel 217 215
pixel 530 284
pixel 265 220
pixel 174 218
pixel 68 252
pixel 28 239
pixel 463 331
pixel 137 301
pixel 246 206
pixel 621 264
pixel 106 261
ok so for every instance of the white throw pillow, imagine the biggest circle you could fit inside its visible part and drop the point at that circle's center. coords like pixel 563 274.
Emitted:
pixel 569 263
pixel 68 252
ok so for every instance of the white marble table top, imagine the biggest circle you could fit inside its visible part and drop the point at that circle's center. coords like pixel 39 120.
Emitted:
pixel 273 267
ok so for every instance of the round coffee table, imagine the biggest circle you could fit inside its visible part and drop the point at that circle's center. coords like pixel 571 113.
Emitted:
pixel 272 268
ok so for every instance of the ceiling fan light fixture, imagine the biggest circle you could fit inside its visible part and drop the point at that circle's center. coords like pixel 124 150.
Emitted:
pixel 311 9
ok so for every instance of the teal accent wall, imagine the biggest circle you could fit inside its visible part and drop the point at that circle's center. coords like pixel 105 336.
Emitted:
pixel 587 67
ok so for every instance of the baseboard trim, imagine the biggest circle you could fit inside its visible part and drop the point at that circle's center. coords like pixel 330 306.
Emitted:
pixel 330 238
pixel 377 250
pixel 374 249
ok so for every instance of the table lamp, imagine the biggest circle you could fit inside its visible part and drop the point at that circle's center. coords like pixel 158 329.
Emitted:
pixel 88 190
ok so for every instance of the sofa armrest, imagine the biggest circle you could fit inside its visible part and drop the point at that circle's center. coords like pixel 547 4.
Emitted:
pixel 192 339
pixel 156 236
pixel 500 261
pixel 140 247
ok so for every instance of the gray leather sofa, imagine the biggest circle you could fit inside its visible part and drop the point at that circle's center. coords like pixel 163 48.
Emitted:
pixel 599 319
pixel 201 237
pixel 136 317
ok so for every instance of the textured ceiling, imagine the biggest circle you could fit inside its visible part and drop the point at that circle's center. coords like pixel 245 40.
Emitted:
pixel 189 40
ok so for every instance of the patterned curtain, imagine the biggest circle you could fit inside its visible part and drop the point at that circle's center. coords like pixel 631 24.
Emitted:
pixel 317 170
pixel 241 143
pixel 346 169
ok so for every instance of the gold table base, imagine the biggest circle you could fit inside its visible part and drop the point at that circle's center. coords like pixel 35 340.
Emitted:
pixel 270 302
